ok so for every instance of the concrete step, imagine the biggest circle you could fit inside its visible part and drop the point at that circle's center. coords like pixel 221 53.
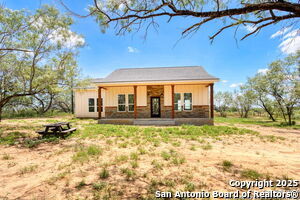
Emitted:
pixel 155 122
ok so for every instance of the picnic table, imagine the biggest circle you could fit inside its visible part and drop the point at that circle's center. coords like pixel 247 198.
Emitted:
pixel 57 129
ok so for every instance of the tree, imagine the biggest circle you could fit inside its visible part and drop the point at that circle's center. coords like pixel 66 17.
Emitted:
pixel 243 100
pixel 223 100
pixel 264 99
pixel 283 83
pixel 130 15
pixel 45 40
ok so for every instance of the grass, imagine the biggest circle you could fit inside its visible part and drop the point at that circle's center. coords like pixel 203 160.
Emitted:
pixel 6 157
pixel 28 169
pixel 104 174
pixel 84 153
pixel 80 185
pixel 256 121
pixel 251 174
pixel 155 135
pixel 116 160
pixel 130 174
pixel 99 186
pixel 207 147
pixel 227 165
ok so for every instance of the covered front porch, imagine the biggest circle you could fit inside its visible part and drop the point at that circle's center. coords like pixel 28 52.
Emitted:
pixel 156 104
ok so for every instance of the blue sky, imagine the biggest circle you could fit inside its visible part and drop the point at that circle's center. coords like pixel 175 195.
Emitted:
pixel 230 61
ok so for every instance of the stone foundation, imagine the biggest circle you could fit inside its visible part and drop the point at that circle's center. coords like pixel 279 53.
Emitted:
pixel 166 112
pixel 112 113
pixel 196 112
pixel 159 122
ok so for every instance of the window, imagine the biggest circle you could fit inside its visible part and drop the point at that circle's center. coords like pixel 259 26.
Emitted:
pixel 130 102
pixel 121 103
pixel 101 105
pixel 177 101
pixel 91 105
pixel 187 101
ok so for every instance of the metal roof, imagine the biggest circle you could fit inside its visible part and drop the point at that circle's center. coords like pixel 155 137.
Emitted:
pixel 186 73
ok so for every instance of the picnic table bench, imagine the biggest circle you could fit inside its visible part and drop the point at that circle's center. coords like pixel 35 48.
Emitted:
pixel 57 129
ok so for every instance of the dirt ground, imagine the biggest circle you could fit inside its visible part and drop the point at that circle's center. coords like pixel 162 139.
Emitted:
pixel 49 171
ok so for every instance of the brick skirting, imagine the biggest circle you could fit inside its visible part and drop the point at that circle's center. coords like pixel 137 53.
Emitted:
pixel 166 112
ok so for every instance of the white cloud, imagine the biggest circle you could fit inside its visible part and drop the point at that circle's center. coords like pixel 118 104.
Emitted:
pixel 262 71
pixel 63 36
pixel 234 85
pixel 224 81
pixel 132 49
pixel 250 28
pixel 67 38
pixel 281 32
pixel 290 42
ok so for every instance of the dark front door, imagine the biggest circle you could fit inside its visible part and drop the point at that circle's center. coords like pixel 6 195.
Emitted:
pixel 155 106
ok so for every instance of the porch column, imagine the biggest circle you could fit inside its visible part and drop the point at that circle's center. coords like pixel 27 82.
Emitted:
pixel 99 102
pixel 212 100
pixel 172 90
pixel 135 103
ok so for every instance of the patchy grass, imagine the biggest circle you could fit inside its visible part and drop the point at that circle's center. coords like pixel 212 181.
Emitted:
pixel 129 173
pixel 7 157
pixel 132 162
pixel 84 153
pixel 207 147
pixel 104 174
pixel 28 169
pixel 251 174
pixel 227 165
pixel 256 121
pixel 154 135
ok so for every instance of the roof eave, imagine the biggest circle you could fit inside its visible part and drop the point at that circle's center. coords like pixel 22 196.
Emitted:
pixel 211 80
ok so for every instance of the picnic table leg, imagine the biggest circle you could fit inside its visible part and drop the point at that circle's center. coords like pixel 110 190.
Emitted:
pixel 46 133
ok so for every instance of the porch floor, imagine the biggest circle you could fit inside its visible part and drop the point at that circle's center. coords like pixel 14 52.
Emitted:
pixel 158 121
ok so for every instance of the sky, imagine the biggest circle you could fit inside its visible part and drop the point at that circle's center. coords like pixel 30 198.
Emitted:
pixel 229 59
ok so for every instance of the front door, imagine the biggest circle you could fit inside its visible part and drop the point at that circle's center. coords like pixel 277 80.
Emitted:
pixel 155 106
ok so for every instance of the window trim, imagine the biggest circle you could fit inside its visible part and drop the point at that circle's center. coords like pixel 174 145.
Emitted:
pixel 191 101
pixel 130 104
pixel 93 106
pixel 121 104
pixel 177 103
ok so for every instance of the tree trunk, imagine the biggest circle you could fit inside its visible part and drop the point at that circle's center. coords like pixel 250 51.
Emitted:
pixel 281 109
pixel 267 110
pixel 289 113
pixel 0 113
pixel 72 101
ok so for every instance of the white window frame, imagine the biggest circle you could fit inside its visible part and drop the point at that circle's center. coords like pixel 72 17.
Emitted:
pixel 131 104
pixel 190 103
pixel 182 103
pixel 177 102
pixel 93 106
pixel 121 104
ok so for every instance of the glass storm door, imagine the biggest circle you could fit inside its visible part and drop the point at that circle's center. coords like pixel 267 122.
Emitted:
pixel 155 106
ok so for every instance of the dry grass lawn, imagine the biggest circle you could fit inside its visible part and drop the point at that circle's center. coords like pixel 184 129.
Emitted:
pixel 127 162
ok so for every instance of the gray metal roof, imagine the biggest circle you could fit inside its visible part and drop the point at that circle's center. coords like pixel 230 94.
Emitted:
pixel 157 74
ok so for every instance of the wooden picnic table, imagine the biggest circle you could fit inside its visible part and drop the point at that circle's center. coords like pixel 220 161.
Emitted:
pixel 58 129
